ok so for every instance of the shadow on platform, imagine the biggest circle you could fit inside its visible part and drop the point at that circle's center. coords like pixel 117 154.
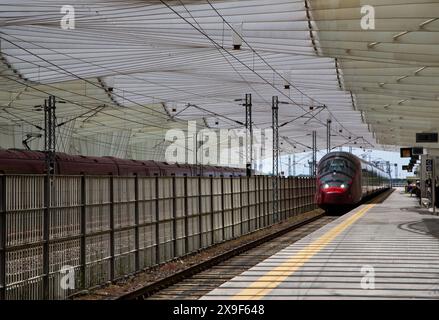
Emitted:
pixel 423 226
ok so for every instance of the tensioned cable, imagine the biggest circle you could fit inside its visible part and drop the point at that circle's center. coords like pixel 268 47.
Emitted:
pixel 75 93
pixel 97 133
pixel 225 58
pixel 78 104
pixel 110 69
pixel 232 55
pixel 91 110
pixel 113 70
pixel 75 76
pixel 80 59
pixel 215 43
pixel 75 103
pixel 274 70
pixel 219 14
pixel 219 50
pixel 260 57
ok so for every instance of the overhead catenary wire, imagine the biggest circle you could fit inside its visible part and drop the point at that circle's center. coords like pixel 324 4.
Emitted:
pixel 274 70
pixel 102 23
pixel 205 110
pixel 232 55
pixel 75 76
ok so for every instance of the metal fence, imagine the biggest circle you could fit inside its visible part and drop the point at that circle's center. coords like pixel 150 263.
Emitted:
pixel 99 229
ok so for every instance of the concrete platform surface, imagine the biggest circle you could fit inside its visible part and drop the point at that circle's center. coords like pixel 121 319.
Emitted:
pixel 387 250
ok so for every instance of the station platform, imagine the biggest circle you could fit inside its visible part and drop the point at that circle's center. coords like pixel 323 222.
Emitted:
pixel 386 249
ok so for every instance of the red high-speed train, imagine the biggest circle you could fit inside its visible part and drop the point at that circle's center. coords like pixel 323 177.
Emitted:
pixel 14 161
pixel 344 180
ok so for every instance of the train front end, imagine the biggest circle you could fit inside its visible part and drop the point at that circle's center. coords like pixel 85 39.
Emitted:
pixel 336 181
pixel 334 189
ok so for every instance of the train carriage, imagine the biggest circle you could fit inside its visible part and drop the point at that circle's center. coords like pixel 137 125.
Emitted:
pixel 344 180
pixel 15 161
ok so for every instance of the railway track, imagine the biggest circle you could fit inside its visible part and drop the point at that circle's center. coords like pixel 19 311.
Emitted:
pixel 193 283
pixel 198 280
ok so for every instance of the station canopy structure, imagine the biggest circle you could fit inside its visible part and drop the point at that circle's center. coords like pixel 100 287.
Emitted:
pixel 130 71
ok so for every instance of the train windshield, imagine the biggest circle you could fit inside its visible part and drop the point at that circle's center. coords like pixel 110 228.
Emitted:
pixel 336 165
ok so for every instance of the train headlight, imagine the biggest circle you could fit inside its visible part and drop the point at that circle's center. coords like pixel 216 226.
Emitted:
pixel 343 186
pixel 326 186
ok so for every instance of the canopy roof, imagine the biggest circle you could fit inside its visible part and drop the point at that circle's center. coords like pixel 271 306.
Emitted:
pixel 392 71
pixel 131 70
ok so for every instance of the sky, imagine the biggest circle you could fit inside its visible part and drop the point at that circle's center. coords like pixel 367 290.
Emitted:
pixel 302 159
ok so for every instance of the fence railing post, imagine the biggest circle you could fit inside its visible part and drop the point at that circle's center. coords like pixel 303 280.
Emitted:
pixel 186 216
pixel 157 222
pixel 265 201
pixel 281 197
pixel 302 192
pixel 287 197
pixel 46 234
pixel 232 206
pixel 112 260
pixel 136 224
pixel 174 217
pixel 212 217
pixel 298 186
pixel 293 200
pixel 259 202
pixel 292 207
pixel 300 195
pixel 83 257
pixel 223 220
pixel 2 237
pixel 241 204
pixel 315 193
pixel 200 213
pixel 256 202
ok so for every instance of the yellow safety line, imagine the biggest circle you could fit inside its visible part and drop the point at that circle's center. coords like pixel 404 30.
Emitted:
pixel 273 278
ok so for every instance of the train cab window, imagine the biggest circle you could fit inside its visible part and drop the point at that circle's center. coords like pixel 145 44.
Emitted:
pixel 337 165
